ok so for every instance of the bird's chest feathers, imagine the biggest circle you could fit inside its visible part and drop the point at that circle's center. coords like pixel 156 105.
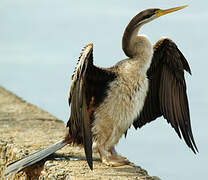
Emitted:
pixel 131 90
pixel 125 97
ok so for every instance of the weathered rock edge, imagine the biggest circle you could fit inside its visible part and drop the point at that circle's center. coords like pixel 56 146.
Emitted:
pixel 25 128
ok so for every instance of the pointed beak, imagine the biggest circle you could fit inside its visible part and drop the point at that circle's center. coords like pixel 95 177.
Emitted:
pixel 161 12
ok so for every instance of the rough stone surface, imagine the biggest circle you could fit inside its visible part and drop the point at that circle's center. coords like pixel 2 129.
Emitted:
pixel 25 128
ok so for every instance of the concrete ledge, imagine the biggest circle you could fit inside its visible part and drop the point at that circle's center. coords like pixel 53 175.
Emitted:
pixel 25 128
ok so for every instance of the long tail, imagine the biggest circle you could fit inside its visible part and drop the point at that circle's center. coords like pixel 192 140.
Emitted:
pixel 31 159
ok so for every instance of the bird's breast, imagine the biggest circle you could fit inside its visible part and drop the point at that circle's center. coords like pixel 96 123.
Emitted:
pixel 124 101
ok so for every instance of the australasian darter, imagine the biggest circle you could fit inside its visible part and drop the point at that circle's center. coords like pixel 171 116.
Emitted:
pixel 105 102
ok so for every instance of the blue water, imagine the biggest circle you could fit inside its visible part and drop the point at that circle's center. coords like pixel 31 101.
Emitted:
pixel 40 42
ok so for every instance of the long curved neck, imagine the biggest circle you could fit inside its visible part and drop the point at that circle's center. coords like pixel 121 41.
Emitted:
pixel 131 36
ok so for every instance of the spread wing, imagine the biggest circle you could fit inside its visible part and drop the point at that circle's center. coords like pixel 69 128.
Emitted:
pixel 167 91
pixel 88 90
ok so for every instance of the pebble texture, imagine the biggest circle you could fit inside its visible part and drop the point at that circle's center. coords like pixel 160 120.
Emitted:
pixel 25 128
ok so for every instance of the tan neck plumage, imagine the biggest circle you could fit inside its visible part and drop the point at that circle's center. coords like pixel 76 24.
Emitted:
pixel 132 44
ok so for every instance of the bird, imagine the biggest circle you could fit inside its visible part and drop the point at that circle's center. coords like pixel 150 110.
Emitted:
pixel 106 102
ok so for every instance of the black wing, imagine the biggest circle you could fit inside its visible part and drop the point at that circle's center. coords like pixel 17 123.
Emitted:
pixel 88 89
pixel 167 91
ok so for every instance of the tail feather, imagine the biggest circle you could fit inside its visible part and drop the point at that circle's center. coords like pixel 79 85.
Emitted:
pixel 33 158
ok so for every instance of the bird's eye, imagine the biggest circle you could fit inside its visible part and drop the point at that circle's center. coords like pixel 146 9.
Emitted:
pixel 156 11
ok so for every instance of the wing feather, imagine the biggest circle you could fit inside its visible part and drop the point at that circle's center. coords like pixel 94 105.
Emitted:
pixel 88 90
pixel 167 91
pixel 79 122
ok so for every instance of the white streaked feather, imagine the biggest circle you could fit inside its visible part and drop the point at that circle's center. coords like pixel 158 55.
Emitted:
pixel 79 66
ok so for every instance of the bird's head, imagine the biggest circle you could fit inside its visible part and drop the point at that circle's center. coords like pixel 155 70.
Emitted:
pixel 131 31
pixel 151 14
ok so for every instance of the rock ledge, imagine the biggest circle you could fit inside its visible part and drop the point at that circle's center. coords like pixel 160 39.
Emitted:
pixel 25 128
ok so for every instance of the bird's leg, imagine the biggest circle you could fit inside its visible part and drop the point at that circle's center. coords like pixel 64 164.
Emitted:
pixel 117 157
pixel 103 155
pixel 114 159
pixel 112 151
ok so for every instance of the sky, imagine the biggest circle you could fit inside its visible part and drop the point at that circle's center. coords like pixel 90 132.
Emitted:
pixel 40 42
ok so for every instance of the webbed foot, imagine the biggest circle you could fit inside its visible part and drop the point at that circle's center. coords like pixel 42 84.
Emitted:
pixel 114 159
